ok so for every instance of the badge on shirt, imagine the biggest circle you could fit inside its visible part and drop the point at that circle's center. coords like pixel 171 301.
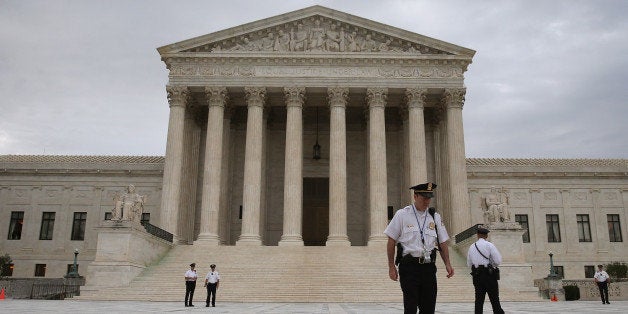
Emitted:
pixel 409 226
pixel 431 225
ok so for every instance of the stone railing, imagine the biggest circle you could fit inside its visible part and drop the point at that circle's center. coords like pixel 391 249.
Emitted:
pixel 42 288
pixel 617 290
pixel 158 232
pixel 471 231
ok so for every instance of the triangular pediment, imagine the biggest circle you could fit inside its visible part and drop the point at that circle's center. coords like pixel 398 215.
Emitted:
pixel 315 30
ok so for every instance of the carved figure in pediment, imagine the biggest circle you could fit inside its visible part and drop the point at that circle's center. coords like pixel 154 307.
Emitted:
pixel 217 48
pixel 496 206
pixel 247 45
pixel 368 45
pixel 352 42
pixel 268 42
pixel 128 206
pixel 385 46
pixel 282 43
pixel 332 39
pixel 298 39
pixel 317 37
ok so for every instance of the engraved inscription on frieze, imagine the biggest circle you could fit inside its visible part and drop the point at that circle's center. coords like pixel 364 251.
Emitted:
pixel 312 71
pixel 315 35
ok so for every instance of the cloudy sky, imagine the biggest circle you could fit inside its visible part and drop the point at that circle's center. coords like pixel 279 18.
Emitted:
pixel 549 79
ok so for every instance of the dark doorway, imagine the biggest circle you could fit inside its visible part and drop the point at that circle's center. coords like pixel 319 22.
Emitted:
pixel 315 211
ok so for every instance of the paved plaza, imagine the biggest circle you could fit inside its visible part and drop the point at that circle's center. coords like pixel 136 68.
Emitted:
pixel 74 306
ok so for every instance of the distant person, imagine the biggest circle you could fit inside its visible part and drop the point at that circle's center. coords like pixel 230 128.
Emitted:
pixel 212 280
pixel 190 284
pixel 602 279
pixel 483 258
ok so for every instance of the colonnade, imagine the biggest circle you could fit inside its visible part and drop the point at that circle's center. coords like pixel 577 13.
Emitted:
pixel 294 97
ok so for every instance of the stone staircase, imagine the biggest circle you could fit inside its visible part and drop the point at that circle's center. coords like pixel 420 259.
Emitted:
pixel 287 274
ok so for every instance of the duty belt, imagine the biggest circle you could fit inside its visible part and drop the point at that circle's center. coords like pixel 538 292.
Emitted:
pixel 419 260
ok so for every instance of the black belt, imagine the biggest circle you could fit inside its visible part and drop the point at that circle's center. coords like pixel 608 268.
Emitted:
pixel 419 260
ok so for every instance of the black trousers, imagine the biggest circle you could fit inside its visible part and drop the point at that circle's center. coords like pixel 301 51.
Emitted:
pixel 418 284
pixel 603 286
pixel 189 291
pixel 211 291
pixel 486 284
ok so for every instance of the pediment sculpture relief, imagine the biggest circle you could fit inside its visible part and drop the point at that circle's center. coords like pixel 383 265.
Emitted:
pixel 128 206
pixel 317 34
pixel 495 205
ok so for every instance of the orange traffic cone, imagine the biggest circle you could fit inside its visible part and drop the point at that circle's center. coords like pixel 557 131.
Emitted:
pixel 554 298
pixel 2 294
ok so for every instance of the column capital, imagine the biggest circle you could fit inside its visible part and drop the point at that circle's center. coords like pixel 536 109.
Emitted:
pixel 255 96
pixel 454 98
pixel 294 96
pixel 415 97
pixel 216 96
pixel 376 97
pixel 338 96
pixel 177 95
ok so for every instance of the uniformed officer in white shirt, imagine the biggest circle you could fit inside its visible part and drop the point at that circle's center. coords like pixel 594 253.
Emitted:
pixel 420 235
pixel 483 257
pixel 602 279
pixel 190 284
pixel 212 280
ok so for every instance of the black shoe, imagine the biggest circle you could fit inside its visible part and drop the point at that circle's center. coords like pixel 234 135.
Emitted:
pixel 213 305
pixel 191 305
pixel 608 302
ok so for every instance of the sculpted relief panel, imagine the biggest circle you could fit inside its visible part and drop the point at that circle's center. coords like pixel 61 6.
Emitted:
pixel 317 34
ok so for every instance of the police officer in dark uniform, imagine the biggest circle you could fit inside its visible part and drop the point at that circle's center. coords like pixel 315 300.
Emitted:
pixel 420 234
pixel 483 258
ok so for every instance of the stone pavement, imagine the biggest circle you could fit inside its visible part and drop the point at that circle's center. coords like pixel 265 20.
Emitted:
pixel 76 306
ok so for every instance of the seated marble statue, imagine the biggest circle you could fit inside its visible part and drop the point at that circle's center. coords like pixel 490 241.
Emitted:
pixel 496 209
pixel 128 206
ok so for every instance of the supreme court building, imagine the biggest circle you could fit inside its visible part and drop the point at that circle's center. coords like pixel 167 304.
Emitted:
pixel 306 129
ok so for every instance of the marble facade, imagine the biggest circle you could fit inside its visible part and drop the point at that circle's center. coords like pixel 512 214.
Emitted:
pixel 247 105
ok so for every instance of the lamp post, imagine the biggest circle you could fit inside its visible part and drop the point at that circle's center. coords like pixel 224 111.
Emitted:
pixel 552 273
pixel 74 272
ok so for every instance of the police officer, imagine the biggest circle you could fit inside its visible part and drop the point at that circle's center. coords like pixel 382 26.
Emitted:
pixel 212 280
pixel 483 257
pixel 602 279
pixel 420 235
pixel 190 284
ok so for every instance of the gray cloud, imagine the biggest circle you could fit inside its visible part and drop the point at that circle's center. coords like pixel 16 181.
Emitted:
pixel 84 77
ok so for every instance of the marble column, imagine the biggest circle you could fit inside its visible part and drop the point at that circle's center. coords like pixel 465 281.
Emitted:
pixel 338 98
pixel 225 181
pixel 459 200
pixel 252 193
pixel 378 187
pixel 416 135
pixel 293 173
pixel 177 98
pixel 191 143
pixel 212 171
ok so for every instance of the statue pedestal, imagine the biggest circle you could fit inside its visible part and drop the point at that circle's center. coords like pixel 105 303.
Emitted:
pixel 553 288
pixel 124 249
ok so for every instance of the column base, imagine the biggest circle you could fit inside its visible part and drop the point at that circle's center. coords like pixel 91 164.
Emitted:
pixel 211 239
pixel 338 241
pixel 377 240
pixel 252 240
pixel 291 240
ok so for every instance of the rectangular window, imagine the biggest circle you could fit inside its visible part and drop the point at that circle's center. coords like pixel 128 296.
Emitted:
pixel 7 270
pixel 584 229
pixel 553 228
pixel 40 270
pixel 78 226
pixel 614 228
pixel 560 271
pixel 47 226
pixel 15 226
pixel 145 218
pixel 589 271
pixel 108 216
pixel 523 221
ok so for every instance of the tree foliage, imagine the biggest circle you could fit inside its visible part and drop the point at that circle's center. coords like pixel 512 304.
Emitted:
pixel 5 262
pixel 617 270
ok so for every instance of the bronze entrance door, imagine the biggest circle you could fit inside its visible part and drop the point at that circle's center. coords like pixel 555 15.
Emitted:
pixel 315 211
